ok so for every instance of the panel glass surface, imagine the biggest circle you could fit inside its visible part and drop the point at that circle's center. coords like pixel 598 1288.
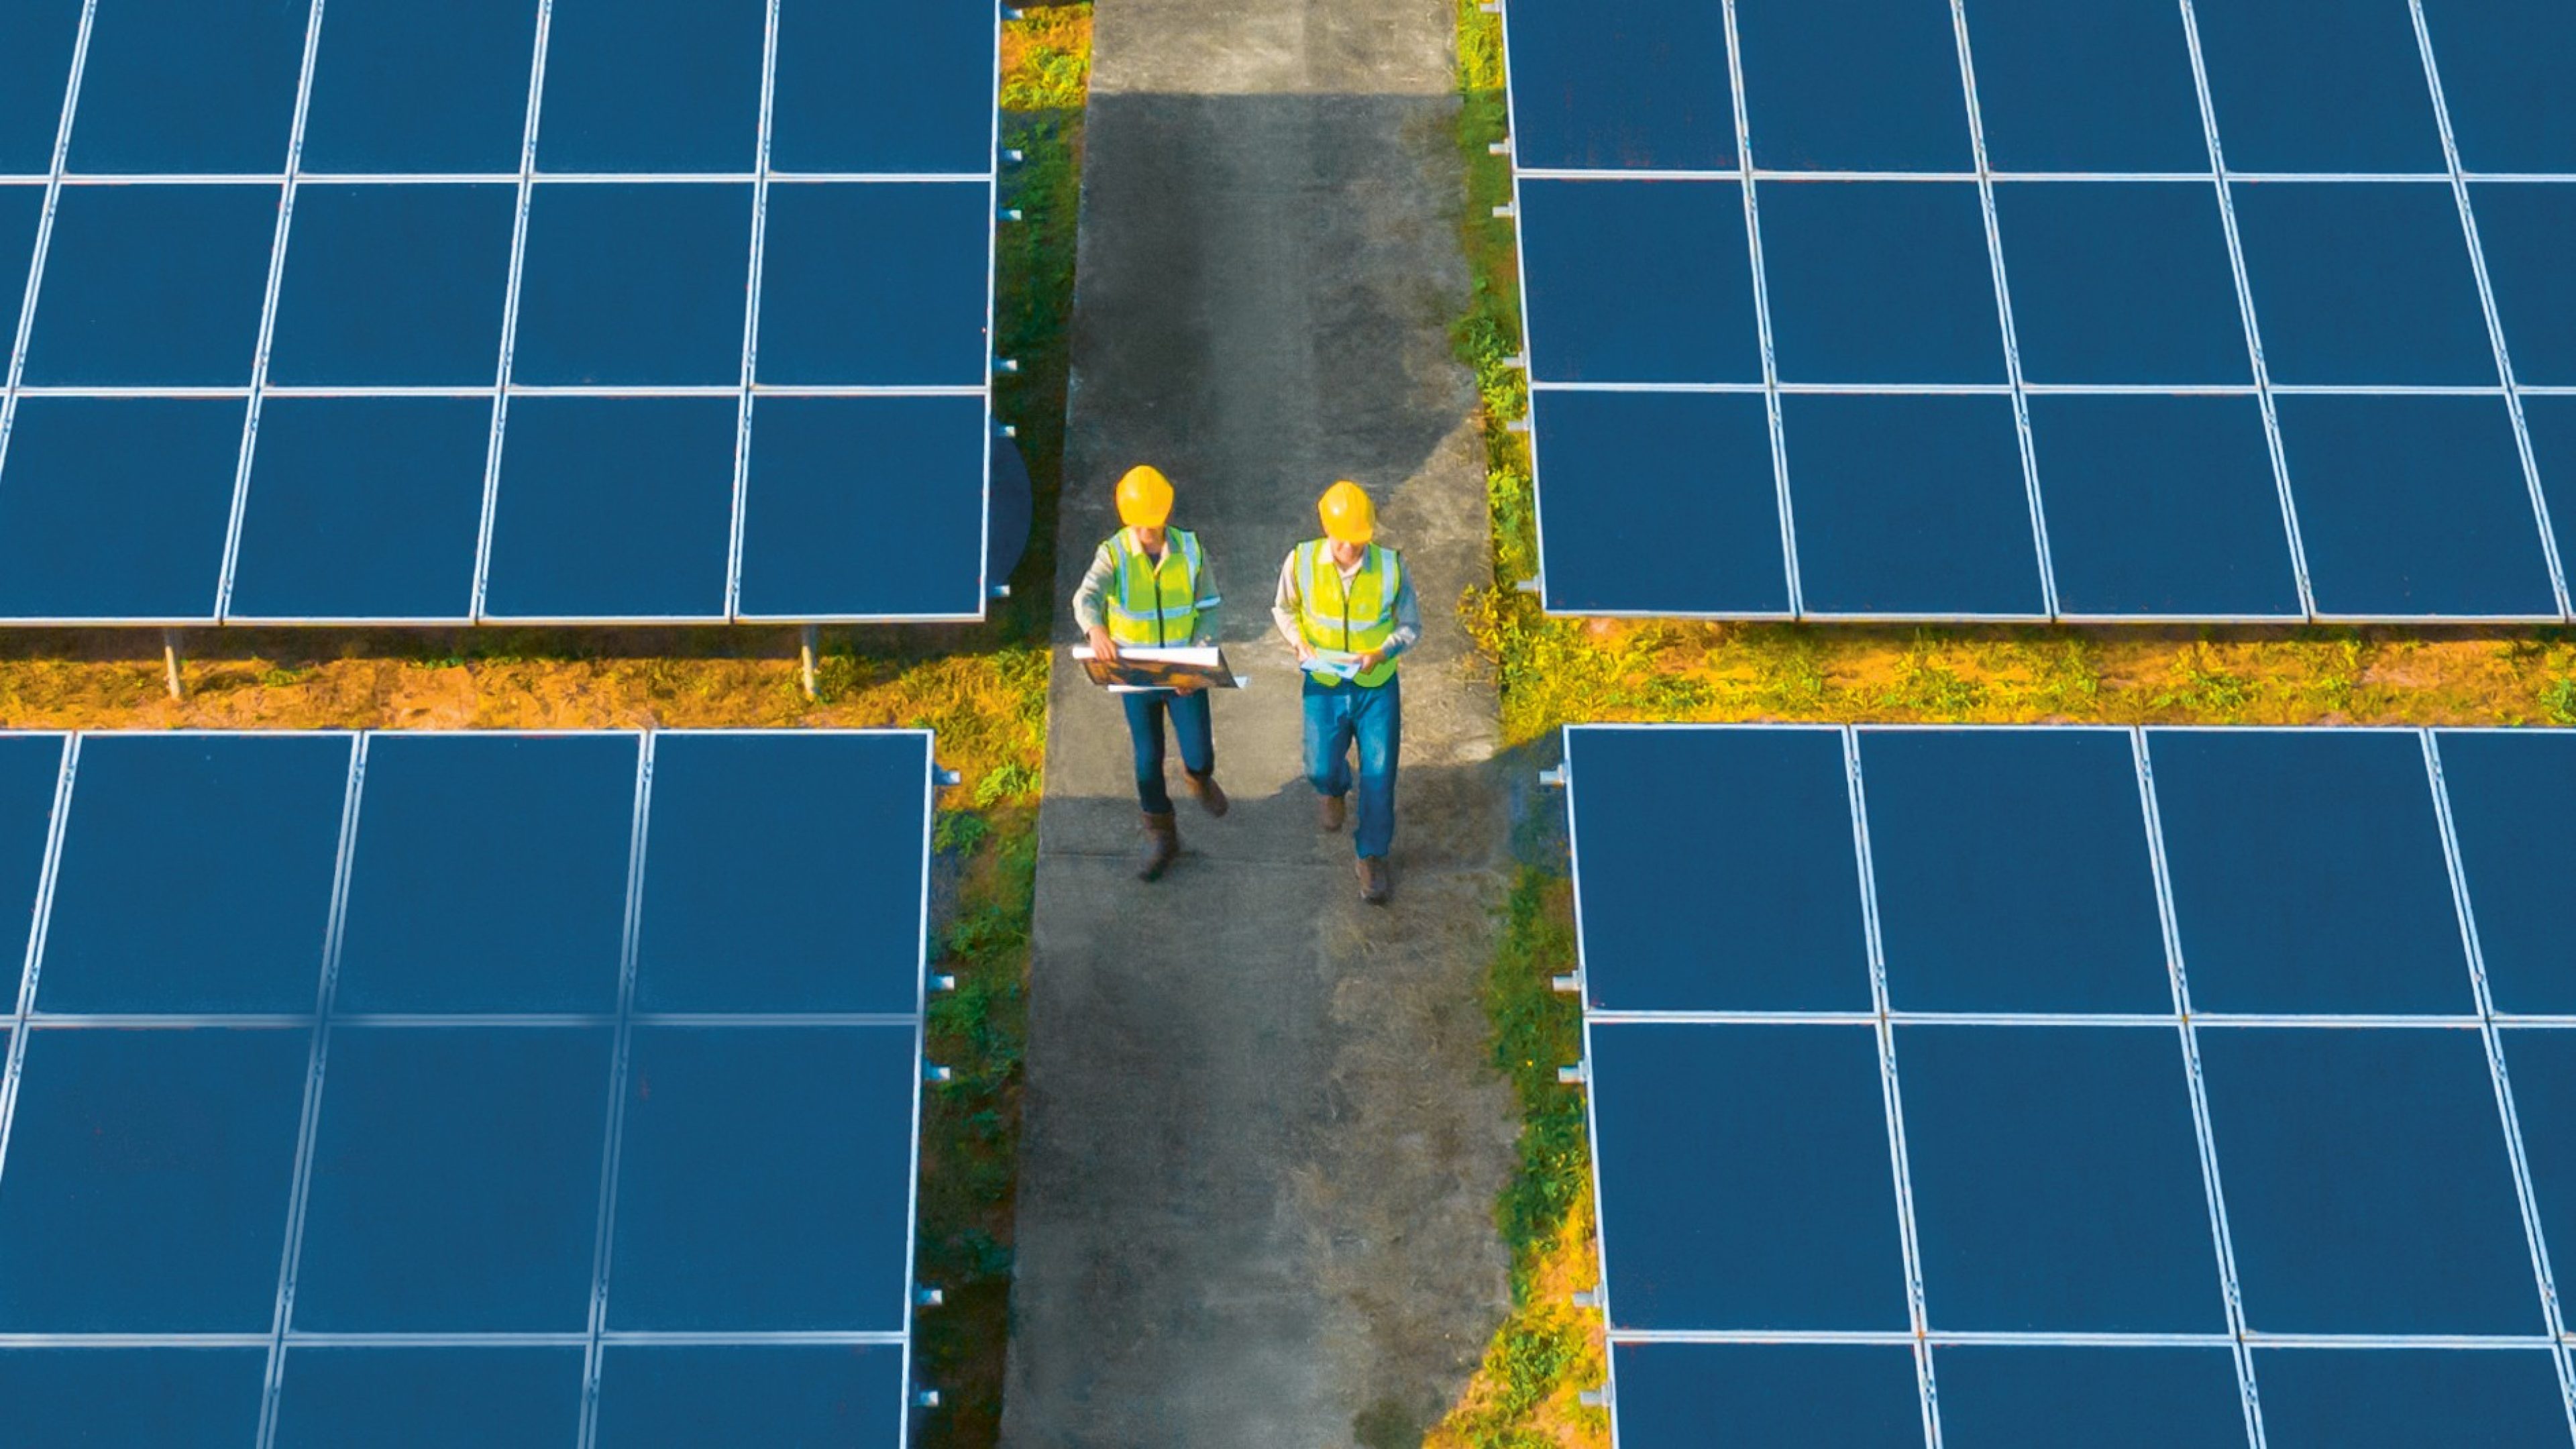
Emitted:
pixel 879 285
pixel 363 508
pixel 633 284
pixel 1880 283
pixel 896 476
pixel 883 86
pixel 2403 1400
pixel 116 507
pixel 613 508
pixel 681 1398
pixel 153 286
pixel 1910 505
pixel 2542 1062
pixel 180 85
pixel 1621 85
pixel 1865 85
pixel 2162 506
pixel 1629 472
pixel 30 768
pixel 2104 87
pixel 36 39
pixel 2101 1398
pixel 2122 283
pixel 148 1398
pixel 394 286
pixel 2512 793
pixel 400 87
pixel 2523 229
pixel 1640 281
pixel 652 85
pixel 2504 66
pixel 430 1398
pixel 1769 1396
pixel 2319 88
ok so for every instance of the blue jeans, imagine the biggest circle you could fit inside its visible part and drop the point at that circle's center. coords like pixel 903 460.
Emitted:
pixel 1189 713
pixel 1336 717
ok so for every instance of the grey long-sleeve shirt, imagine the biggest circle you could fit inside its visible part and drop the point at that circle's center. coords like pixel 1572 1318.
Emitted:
pixel 1090 600
pixel 1408 610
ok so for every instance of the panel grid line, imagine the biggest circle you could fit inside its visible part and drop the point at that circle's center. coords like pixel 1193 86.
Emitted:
pixel 510 313
pixel 623 1041
pixel 308 1129
pixel 2004 314
pixel 1891 1092
pixel 2526 1197
pixel 2205 1141
pixel 9 387
pixel 2245 306
pixel 751 313
pixel 268 315
pixel 13 1062
pixel 1770 386
pixel 2495 335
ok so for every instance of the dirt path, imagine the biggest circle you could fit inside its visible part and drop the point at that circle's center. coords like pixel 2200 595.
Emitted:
pixel 1262 1141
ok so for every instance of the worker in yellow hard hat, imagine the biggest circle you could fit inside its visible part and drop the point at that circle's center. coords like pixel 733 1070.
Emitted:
pixel 1149 586
pixel 1346 605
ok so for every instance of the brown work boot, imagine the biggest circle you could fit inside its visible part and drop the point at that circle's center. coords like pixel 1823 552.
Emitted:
pixel 1210 794
pixel 1374 886
pixel 1162 846
pixel 1328 813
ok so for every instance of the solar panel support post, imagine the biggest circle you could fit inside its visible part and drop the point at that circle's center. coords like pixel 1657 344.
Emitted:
pixel 170 661
pixel 805 656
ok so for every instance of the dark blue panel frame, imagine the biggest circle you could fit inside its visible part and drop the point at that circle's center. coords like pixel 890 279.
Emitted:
pixel 2162 507
pixel 2308 873
pixel 884 88
pixel 1866 85
pixel 1912 506
pixel 2319 88
pixel 1628 473
pixel 899 480
pixel 2369 1189
pixel 1753 1189
pixel 1784 877
pixel 2100 87
pixel 362 509
pixel 2013 871
pixel 171 86
pixel 2511 794
pixel 1639 281
pixel 2504 66
pixel 399 87
pixel 1631 85
pixel 1769 1396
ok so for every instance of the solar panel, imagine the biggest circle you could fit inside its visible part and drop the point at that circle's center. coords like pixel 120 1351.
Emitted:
pixel 2011 309
pixel 582 311
pixel 2039 1086
pixel 424 1089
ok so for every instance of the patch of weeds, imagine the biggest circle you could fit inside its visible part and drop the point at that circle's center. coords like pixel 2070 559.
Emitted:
pixel 2558 701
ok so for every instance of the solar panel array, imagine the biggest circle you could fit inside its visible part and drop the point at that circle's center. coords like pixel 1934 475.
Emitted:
pixel 439 1089
pixel 2204 309
pixel 509 310
pixel 2034 1087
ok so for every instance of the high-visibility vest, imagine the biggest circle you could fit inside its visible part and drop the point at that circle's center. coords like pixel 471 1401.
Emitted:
pixel 1154 603
pixel 1352 621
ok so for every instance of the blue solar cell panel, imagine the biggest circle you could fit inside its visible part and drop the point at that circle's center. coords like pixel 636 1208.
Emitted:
pixel 455 1181
pixel 152 1398
pixel 36 39
pixel 2523 231
pixel 2121 283
pixel 743 822
pixel 2512 794
pixel 1910 505
pixel 2099 87
pixel 21 207
pixel 875 284
pixel 2012 872
pixel 1753 1183
pixel 1627 473
pixel 2414 505
pixel 399 87
pixel 394 286
pixel 2322 88
pixel 30 767
pixel 613 508
pixel 178 85
pixel 827 470
pixel 231 841
pixel 1783 876
pixel 2056 1181
pixel 1857 85
pixel 2308 872
pixel 2543 1067
pixel 681 1398
pixel 652 85
pixel 148 1180
pixel 2363 284
pixel 2368 1185
pixel 1631 84
pixel 2504 67
pixel 116 507
pixel 2162 506
pixel 883 86
pixel 2402 1399
pixel 2550 422
pixel 363 508
pixel 1880 283
pixel 153 286
pixel 1639 281
pixel 535 831
pixel 2101 1398
pixel 430 1398
pixel 798 1222
pixel 1768 1396
pixel 634 284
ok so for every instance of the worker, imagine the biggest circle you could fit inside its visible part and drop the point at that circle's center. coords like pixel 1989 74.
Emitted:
pixel 1149 586
pixel 1346 605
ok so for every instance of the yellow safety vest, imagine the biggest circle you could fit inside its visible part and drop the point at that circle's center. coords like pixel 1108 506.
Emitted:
pixel 1154 604
pixel 1348 622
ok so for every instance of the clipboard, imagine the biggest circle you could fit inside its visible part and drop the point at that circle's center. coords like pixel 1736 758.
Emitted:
pixel 1137 670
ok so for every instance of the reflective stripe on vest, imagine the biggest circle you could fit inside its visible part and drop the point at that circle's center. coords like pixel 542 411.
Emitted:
pixel 1354 621
pixel 1154 603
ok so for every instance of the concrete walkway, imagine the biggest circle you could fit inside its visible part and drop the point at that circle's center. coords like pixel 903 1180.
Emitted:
pixel 1262 1140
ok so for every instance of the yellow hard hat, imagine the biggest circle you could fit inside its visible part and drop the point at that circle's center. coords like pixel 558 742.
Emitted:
pixel 1144 497
pixel 1348 515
